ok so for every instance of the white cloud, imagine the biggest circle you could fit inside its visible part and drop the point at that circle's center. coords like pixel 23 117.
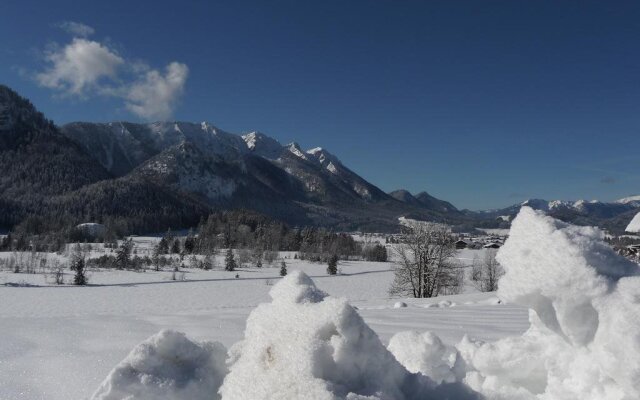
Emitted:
pixel 87 68
pixel 76 28
pixel 154 96
pixel 78 66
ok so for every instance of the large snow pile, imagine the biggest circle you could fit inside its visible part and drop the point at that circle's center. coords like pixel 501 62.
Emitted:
pixel 167 366
pixel 306 345
pixel 583 342
pixel 634 225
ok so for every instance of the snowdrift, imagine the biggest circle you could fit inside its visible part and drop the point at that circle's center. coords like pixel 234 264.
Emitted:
pixel 583 343
pixel 584 339
pixel 167 366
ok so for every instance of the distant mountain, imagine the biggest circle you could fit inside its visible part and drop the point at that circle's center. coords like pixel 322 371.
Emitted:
pixel 424 200
pixel 633 200
pixel 253 171
pixel 611 216
pixel 36 160
pixel 405 196
pixel 150 176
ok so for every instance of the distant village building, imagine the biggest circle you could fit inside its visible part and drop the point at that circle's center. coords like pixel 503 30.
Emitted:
pixel 92 229
pixel 461 244
pixel 493 245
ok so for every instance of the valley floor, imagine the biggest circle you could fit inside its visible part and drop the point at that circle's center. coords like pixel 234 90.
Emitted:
pixel 59 342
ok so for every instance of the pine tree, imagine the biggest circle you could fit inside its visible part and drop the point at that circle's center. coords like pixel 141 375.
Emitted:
pixel 283 268
pixel 229 261
pixel 77 265
pixel 190 242
pixel 175 246
pixel 155 258
pixel 163 246
pixel 332 267
pixel 123 256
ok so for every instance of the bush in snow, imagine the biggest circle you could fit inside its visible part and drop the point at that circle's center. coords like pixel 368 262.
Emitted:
pixel 167 366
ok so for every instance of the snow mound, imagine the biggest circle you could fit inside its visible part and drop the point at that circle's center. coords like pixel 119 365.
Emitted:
pixel 167 366
pixel 634 225
pixel 426 354
pixel 400 304
pixel 584 339
pixel 559 270
pixel 306 345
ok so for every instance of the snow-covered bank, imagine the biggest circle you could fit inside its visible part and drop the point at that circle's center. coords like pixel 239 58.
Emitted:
pixel 583 342
pixel 60 342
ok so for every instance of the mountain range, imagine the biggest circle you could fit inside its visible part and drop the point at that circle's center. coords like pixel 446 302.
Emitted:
pixel 147 177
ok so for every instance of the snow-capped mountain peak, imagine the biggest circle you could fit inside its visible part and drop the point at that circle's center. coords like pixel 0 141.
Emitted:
pixel 323 157
pixel 262 145
pixel 629 200
pixel 295 149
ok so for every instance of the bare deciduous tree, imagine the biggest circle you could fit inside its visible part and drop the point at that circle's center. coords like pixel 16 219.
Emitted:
pixel 486 274
pixel 425 265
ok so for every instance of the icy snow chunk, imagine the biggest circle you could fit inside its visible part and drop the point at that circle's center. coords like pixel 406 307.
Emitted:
pixel 297 287
pixel 634 225
pixel 558 270
pixel 167 366
pixel 399 304
pixel 426 354
pixel 306 345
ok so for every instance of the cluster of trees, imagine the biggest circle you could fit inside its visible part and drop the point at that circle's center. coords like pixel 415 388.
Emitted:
pixel 426 265
pixel 247 230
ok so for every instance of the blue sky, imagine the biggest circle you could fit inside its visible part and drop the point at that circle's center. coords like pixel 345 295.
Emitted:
pixel 482 103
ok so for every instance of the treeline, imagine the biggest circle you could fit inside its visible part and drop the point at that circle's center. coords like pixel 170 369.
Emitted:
pixel 238 229
pixel 243 229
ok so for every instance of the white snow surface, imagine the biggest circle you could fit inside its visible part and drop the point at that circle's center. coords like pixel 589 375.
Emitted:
pixel 582 342
pixel 634 225
pixel 584 339
pixel 76 335
pixel 167 366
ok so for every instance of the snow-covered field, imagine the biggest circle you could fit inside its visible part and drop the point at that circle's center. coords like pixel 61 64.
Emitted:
pixel 59 342
pixel 565 324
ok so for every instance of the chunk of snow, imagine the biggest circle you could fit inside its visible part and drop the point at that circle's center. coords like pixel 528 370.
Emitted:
pixel 426 354
pixel 634 225
pixel 167 366
pixel 400 304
